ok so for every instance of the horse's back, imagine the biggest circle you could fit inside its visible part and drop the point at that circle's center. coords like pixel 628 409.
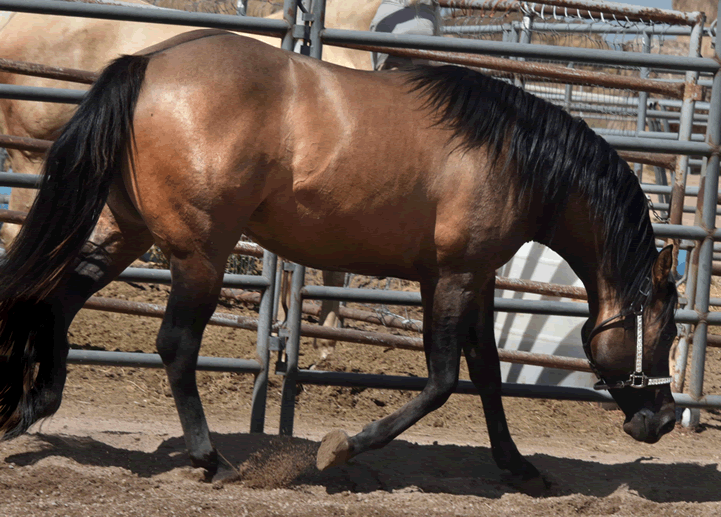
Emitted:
pixel 311 158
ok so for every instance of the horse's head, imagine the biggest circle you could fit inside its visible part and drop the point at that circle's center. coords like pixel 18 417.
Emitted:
pixel 628 348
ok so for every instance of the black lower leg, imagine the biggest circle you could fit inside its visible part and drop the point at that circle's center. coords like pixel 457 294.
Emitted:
pixel 485 372
pixel 178 344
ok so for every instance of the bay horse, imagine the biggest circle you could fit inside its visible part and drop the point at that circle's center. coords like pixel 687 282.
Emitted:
pixel 432 174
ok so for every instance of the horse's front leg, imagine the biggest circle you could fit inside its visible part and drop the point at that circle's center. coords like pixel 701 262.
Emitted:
pixel 447 303
pixel 485 372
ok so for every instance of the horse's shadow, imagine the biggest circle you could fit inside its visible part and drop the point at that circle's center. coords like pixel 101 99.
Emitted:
pixel 265 461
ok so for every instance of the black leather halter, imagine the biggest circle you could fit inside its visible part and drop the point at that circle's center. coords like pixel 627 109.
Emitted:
pixel 637 379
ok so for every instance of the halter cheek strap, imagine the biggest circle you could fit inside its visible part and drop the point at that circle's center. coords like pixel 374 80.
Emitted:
pixel 637 379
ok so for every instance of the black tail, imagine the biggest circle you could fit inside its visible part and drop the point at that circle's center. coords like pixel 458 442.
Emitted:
pixel 78 172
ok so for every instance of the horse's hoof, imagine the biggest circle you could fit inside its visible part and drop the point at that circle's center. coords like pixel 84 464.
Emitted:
pixel 334 450
pixel 535 486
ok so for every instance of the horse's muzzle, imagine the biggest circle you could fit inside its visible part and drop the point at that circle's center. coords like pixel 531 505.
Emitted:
pixel 647 426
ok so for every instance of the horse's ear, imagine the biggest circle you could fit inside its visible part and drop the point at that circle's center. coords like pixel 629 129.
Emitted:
pixel 662 267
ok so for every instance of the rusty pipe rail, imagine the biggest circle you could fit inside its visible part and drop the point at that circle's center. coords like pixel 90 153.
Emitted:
pixel 48 72
pixel 530 69
pixel 24 143
pixel 347 335
pixel 583 7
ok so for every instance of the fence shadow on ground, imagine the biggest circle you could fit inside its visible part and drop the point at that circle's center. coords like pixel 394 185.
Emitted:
pixel 267 462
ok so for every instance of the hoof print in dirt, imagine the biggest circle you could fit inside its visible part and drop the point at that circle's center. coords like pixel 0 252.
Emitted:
pixel 334 450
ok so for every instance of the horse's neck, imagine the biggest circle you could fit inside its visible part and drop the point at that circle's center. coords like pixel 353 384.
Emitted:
pixel 579 241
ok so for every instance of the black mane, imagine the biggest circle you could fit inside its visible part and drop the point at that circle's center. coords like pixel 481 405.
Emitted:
pixel 555 154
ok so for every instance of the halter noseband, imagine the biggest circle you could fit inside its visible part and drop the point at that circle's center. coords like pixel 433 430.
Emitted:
pixel 637 379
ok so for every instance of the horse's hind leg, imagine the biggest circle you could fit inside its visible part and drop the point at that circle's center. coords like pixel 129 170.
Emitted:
pixel 447 303
pixel 193 298
pixel 485 372
pixel 118 238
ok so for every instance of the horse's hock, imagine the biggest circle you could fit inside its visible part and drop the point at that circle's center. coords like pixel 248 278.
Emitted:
pixel 654 107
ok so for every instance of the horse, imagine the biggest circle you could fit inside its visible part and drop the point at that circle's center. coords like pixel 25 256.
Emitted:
pixel 431 174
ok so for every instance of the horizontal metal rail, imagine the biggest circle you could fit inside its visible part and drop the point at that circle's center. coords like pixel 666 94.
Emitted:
pixel 138 14
pixel 47 71
pixel 25 144
pixel 565 28
pixel 533 391
pixel 140 360
pixel 561 7
pixel 162 276
pixel 348 335
pixel 553 73
pixel 41 94
pixel 343 37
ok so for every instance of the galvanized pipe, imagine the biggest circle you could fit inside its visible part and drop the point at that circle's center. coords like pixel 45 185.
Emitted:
pixel 707 216
pixel 564 28
pixel 140 360
pixel 138 14
pixel 624 11
pixel 342 37
pixel 642 104
pixel 552 73
pixel 351 380
pixel 685 134
pixel 265 324
pixel 290 10
pixel 347 335
pixel 288 390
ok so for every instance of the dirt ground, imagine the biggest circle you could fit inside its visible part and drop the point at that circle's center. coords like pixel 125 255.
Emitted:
pixel 115 447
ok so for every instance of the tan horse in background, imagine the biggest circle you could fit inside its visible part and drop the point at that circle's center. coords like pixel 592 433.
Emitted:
pixel 90 44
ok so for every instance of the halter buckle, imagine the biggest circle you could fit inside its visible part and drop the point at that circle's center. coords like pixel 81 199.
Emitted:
pixel 638 380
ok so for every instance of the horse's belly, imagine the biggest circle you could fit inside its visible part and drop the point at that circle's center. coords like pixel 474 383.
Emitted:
pixel 379 242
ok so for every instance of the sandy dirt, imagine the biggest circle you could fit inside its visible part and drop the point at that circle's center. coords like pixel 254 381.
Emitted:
pixel 116 448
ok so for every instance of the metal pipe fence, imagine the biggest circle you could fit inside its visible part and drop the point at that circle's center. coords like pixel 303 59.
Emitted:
pixel 287 339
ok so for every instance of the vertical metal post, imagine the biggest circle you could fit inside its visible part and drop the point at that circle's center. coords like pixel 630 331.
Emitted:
pixel 317 25
pixel 523 37
pixel 684 130
pixel 287 403
pixel 438 19
pixel 568 95
pixel 676 209
pixel 265 322
pixel 642 102
pixel 290 10
pixel 709 188
pixel 242 8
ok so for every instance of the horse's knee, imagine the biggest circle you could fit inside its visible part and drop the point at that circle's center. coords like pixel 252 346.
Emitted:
pixel 439 391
